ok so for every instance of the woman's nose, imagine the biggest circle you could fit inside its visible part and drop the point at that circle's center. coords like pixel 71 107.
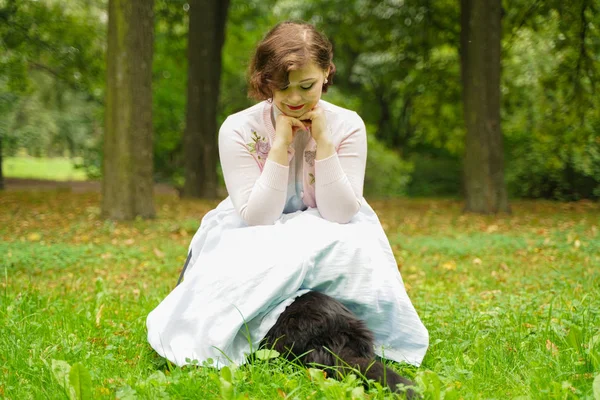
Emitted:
pixel 294 97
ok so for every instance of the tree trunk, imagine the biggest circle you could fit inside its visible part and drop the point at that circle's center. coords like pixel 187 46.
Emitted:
pixel 205 42
pixel 1 171
pixel 127 185
pixel 485 189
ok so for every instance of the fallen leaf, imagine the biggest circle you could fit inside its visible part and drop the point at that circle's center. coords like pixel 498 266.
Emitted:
pixel 492 228
pixel 449 266
pixel 158 253
pixel 552 347
pixel 266 354
pixel 34 237
pixel 99 315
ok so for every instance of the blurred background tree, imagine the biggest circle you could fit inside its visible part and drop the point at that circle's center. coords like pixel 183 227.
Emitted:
pixel 398 66
pixel 127 166
pixel 206 35
pixel 480 44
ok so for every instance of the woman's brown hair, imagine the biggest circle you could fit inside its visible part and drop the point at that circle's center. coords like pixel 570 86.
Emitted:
pixel 287 47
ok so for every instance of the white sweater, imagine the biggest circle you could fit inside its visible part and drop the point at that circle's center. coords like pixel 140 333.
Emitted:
pixel 260 188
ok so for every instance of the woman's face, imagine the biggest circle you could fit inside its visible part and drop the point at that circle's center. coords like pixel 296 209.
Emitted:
pixel 303 92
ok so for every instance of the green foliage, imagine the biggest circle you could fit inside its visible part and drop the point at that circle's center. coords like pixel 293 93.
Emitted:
pixel 52 76
pixel 402 61
pixel 435 174
pixel 552 128
pixel 68 120
pixel 75 380
pixel 266 354
pixel 64 40
pixel 169 87
pixel 248 22
pixel 80 380
pixel 398 66
pixel 387 175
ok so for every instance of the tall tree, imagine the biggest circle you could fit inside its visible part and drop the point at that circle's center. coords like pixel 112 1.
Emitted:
pixel 485 189
pixel 127 185
pixel 205 42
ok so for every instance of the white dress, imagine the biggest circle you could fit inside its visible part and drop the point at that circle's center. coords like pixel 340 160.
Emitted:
pixel 240 279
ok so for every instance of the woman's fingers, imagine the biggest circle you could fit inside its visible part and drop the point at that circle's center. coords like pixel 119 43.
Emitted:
pixel 308 116
pixel 288 126
pixel 298 124
pixel 296 121
pixel 315 119
pixel 311 114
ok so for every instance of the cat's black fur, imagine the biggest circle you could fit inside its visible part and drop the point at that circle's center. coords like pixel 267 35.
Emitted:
pixel 318 329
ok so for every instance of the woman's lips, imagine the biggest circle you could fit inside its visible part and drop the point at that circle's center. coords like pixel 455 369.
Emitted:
pixel 295 108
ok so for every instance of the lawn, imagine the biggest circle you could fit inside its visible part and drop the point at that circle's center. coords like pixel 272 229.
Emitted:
pixel 512 303
pixel 59 169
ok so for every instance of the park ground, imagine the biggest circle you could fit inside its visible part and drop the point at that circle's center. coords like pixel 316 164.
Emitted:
pixel 512 302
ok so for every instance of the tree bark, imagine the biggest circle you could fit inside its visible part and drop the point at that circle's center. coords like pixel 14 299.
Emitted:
pixel 127 185
pixel 205 43
pixel 485 189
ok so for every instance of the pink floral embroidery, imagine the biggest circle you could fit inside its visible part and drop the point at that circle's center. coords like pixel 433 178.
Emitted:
pixel 309 157
pixel 259 145
pixel 262 149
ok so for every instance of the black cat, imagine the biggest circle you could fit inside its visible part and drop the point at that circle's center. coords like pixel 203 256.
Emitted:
pixel 318 329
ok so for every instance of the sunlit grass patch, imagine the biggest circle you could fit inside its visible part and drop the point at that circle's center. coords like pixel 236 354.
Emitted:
pixel 58 169
pixel 512 303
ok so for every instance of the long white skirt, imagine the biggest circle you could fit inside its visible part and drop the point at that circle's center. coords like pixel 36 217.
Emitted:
pixel 240 279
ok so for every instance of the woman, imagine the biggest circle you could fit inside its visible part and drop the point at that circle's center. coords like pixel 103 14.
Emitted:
pixel 295 220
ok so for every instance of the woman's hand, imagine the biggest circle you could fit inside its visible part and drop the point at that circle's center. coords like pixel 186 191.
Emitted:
pixel 315 119
pixel 286 127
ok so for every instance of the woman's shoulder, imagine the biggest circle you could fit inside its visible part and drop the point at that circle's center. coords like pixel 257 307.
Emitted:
pixel 343 114
pixel 341 119
pixel 245 120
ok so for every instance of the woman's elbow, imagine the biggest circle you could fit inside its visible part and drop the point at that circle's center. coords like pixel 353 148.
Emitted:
pixel 256 219
pixel 341 214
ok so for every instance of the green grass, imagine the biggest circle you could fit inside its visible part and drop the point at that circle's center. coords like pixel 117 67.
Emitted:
pixel 58 169
pixel 512 303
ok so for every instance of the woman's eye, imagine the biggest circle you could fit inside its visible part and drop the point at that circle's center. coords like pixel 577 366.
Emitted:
pixel 307 87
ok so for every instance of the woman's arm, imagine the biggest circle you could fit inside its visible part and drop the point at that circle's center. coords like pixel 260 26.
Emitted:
pixel 259 198
pixel 339 176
